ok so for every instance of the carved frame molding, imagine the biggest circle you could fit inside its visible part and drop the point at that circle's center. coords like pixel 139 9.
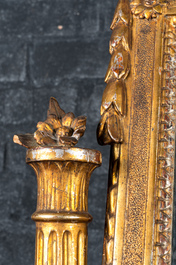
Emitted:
pixel 118 108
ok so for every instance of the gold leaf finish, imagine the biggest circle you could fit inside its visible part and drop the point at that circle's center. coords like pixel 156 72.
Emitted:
pixel 62 203
pixel 138 9
pixel 138 121
pixel 119 34
pixel 113 111
pixel 59 129
pixel 148 9
pixel 166 154
pixel 121 13
pixel 114 92
pixel 119 65
pixel 63 175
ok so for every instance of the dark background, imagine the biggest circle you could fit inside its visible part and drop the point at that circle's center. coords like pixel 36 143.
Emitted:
pixel 48 48
pixel 37 60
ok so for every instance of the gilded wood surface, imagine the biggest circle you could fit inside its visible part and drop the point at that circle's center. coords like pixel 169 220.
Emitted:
pixel 166 152
pixel 63 175
pixel 113 111
pixel 138 226
pixel 61 215
pixel 62 207
pixel 139 143
pixel 59 129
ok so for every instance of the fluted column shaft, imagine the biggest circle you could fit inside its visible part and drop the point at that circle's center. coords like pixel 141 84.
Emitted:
pixel 62 203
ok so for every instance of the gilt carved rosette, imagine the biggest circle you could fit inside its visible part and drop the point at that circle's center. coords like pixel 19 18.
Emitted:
pixel 138 121
pixel 63 173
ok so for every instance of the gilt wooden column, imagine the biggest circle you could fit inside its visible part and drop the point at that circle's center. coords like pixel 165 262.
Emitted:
pixel 63 173
pixel 62 203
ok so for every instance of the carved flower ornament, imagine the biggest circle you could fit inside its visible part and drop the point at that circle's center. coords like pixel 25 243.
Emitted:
pixel 148 10
pixel 59 129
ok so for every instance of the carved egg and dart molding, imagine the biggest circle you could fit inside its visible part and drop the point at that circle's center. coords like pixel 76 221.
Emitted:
pixel 59 129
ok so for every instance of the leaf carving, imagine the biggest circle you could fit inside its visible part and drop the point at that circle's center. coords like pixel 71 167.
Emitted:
pixel 139 9
pixel 26 140
pixel 43 126
pixel 55 123
pixel 119 65
pixel 79 126
pixel 110 129
pixel 54 109
pixel 114 127
pixel 120 35
pixel 114 92
pixel 67 119
pixel 158 9
pixel 59 129
pixel 44 138
pixel 143 10
pixel 68 141
pixel 136 2
pixel 113 107
pixel 122 12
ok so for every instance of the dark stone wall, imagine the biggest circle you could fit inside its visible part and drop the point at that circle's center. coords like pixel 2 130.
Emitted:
pixel 48 48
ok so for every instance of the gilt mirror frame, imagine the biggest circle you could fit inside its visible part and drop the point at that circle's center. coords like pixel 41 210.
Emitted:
pixel 138 121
